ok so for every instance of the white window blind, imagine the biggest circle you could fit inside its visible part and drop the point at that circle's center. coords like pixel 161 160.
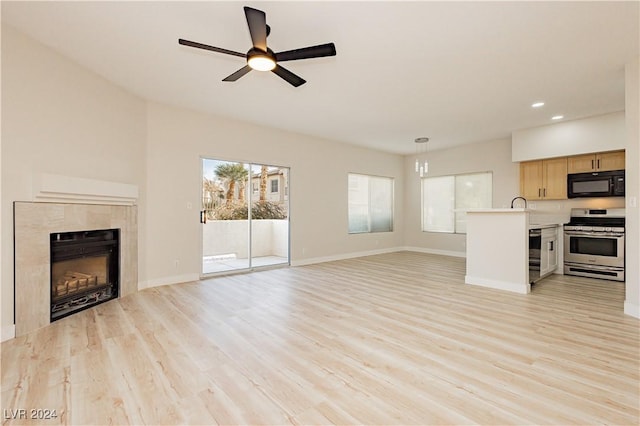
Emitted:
pixel 370 204
pixel 444 199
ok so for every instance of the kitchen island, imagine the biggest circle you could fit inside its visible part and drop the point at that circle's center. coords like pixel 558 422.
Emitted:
pixel 498 248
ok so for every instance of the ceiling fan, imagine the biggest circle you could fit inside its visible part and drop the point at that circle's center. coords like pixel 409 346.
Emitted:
pixel 260 57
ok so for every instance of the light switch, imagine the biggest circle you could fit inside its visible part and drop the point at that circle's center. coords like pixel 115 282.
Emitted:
pixel 633 202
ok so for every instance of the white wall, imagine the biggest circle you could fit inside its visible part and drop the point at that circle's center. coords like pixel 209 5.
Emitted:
pixel 632 108
pixel 494 156
pixel 59 118
pixel 504 263
pixel 270 237
pixel 177 138
pixel 594 134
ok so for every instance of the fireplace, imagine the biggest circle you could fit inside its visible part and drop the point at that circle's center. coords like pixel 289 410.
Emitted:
pixel 84 270
pixel 34 224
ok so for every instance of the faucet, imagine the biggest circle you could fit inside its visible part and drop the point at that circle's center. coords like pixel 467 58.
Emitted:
pixel 522 198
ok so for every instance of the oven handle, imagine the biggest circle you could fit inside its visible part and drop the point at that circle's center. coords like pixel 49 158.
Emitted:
pixel 594 234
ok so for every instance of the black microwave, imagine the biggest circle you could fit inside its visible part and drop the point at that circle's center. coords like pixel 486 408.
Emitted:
pixel 596 184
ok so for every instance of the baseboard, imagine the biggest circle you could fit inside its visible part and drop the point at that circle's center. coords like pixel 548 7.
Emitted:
pixel 8 332
pixel 436 251
pixel 344 256
pixel 499 285
pixel 302 262
pixel 631 309
pixel 310 261
pixel 176 279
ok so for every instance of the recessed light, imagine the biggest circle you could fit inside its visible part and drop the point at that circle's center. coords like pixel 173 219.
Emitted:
pixel 537 104
pixel 557 117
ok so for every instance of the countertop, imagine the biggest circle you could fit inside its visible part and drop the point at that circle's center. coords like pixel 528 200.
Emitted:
pixel 543 225
pixel 502 210
pixel 537 219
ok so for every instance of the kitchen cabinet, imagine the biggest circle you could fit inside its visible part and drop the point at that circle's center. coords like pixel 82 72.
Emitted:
pixel 598 162
pixel 497 249
pixel 544 179
pixel 548 251
pixel 512 256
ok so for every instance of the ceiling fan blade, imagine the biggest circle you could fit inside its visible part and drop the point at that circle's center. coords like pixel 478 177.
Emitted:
pixel 287 75
pixel 207 47
pixel 236 75
pixel 257 21
pixel 318 51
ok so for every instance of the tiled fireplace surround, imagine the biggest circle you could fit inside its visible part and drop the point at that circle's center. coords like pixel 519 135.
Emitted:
pixel 34 222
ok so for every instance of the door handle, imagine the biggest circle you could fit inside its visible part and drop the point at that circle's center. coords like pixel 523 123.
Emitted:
pixel 550 245
pixel 203 216
pixel 598 166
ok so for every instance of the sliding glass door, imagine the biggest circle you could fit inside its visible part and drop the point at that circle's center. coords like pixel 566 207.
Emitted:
pixel 269 215
pixel 234 236
pixel 225 226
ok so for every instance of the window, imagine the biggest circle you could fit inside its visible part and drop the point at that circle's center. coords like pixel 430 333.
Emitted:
pixel 370 204
pixel 445 199
pixel 274 185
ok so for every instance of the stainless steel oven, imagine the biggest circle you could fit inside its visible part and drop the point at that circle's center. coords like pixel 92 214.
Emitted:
pixel 594 244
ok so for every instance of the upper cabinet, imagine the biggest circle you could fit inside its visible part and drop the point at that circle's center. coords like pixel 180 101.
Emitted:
pixel 600 162
pixel 544 179
pixel 547 179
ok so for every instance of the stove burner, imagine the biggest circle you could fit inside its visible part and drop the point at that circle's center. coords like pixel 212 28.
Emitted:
pixel 600 220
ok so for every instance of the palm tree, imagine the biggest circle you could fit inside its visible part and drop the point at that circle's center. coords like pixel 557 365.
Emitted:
pixel 232 173
pixel 263 183
pixel 242 184
pixel 211 194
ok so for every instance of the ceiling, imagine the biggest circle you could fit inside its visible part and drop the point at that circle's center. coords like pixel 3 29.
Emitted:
pixel 456 72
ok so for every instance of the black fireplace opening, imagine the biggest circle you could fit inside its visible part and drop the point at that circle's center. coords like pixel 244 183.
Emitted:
pixel 85 270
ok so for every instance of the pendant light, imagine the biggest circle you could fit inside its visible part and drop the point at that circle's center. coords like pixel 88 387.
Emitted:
pixel 422 166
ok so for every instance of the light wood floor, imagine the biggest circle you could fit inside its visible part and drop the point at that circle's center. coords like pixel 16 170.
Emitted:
pixel 388 339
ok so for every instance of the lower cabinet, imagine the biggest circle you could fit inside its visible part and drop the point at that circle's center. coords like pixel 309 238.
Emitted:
pixel 548 251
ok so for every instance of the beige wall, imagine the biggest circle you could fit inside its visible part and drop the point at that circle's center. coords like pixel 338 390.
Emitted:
pixel 632 108
pixel 59 118
pixel 494 156
pixel 177 139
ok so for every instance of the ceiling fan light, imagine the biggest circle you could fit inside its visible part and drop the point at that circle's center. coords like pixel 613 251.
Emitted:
pixel 261 63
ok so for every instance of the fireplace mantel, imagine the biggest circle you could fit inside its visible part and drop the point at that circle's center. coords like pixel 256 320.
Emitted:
pixel 34 222
pixel 70 189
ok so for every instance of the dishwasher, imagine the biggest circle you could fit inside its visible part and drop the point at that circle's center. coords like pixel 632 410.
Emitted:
pixel 535 243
